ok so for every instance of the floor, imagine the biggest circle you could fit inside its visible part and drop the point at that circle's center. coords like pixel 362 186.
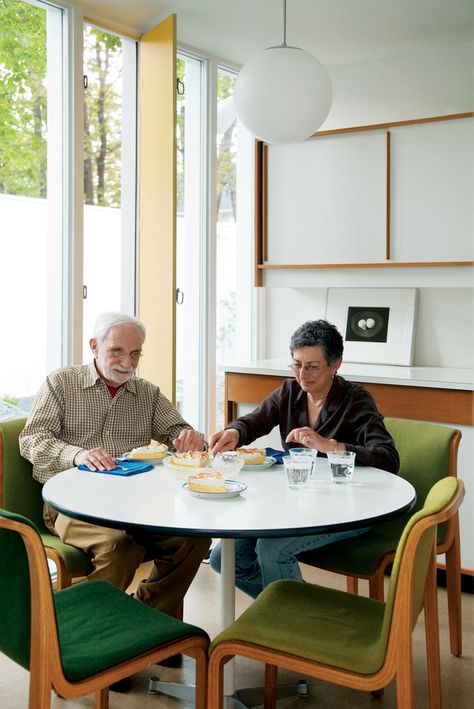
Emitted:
pixel 201 608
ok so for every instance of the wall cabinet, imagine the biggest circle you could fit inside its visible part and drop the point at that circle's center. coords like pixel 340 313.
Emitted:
pixel 397 194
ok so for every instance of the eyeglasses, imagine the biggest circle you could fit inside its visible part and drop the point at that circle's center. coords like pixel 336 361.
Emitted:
pixel 118 353
pixel 310 368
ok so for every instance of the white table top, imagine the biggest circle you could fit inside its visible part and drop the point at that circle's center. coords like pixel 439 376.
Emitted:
pixel 268 507
pixel 434 377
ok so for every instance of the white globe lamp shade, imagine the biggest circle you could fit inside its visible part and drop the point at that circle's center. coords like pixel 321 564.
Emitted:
pixel 283 94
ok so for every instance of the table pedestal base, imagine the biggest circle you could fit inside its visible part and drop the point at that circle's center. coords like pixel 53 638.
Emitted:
pixel 186 692
pixel 240 699
pixel 255 696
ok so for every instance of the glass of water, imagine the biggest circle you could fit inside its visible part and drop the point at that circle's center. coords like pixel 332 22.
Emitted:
pixel 297 471
pixel 342 464
pixel 305 454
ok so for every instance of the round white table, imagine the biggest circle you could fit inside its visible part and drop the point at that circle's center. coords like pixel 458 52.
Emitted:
pixel 156 500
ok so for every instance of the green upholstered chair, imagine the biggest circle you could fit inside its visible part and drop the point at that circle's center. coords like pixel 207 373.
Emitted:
pixel 80 639
pixel 343 638
pixel 20 493
pixel 428 452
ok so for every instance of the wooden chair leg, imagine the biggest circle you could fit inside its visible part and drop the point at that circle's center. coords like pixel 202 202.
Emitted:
pixel 201 679
pixel 453 588
pixel 215 683
pixel 271 681
pixel 101 699
pixel 404 678
pixel 352 584
pixel 432 636
pixel 376 589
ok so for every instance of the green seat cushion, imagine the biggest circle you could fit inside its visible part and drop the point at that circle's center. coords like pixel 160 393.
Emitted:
pixel 76 560
pixel 314 623
pixel 100 627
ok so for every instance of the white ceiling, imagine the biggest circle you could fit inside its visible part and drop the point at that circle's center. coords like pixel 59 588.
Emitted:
pixel 336 31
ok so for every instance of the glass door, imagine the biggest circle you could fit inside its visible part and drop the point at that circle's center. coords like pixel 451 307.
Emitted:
pixel 32 199
pixel 109 176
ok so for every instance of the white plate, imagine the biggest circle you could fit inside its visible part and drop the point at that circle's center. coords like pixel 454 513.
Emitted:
pixel 269 461
pixel 232 489
pixel 185 468
pixel 152 461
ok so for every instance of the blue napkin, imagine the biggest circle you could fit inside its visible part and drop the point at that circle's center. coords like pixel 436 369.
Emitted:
pixel 125 467
pixel 278 455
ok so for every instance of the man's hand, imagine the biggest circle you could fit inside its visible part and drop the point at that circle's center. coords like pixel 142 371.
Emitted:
pixel 189 440
pixel 222 441
pixel 95 459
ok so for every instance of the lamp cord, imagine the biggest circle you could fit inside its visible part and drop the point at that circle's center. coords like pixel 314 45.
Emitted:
pixel 283 44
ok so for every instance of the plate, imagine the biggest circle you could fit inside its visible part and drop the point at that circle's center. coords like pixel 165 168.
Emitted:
pixel 269 461
pixel 184 468
pixel 152 461
pixel 233 488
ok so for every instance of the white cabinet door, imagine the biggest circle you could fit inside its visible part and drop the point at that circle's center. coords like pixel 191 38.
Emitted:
pixel 432 191
pixel 326 199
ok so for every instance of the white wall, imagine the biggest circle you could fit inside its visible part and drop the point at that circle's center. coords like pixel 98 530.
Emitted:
pixel 417 85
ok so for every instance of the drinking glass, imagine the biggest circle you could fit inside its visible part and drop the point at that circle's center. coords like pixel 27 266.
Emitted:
pixel 305 454
pixel 298 471
pixel 342 464
pixel 229 464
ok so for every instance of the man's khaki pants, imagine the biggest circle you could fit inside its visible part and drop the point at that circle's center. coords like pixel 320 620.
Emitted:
pixel 115 555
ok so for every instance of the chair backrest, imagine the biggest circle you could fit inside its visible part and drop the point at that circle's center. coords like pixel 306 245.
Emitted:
pixel 428 452
pixel 15 589
pixel 415 552
pixel 19 492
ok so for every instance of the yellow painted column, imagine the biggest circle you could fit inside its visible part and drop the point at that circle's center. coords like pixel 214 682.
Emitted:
pixel 157 203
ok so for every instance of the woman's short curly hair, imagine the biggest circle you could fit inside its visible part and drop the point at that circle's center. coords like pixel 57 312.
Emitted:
pixel 319 333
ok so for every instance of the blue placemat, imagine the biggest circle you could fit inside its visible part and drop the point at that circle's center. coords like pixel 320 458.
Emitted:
pixel 125 467
pixel 278 455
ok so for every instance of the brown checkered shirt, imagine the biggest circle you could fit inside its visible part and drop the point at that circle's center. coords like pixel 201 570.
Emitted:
pixel 74 411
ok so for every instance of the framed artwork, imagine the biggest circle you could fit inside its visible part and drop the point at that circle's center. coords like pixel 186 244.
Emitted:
pixel 377 324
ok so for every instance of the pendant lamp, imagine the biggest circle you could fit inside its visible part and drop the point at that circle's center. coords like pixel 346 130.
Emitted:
pixel 282 94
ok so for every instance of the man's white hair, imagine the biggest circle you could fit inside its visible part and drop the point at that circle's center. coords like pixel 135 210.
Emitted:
pixel 106 321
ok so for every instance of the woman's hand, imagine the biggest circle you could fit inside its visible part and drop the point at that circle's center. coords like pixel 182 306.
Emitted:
pixel 305 436
pixel 225 440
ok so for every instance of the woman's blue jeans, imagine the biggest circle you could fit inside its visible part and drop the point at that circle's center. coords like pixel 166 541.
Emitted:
pixel 259 561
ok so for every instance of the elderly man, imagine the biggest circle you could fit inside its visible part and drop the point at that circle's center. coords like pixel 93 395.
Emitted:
pixel 89 414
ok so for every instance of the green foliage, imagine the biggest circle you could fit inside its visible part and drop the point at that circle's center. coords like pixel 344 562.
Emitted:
pixel 15 400
pixel 23 107
pixel 102 118
pixel 226 151
pixel 22 99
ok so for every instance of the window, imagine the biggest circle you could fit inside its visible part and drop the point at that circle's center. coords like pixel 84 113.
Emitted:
pixel 233 236
pixel 109 176
pixel 190 328
pixel 31 199
pixel 214 237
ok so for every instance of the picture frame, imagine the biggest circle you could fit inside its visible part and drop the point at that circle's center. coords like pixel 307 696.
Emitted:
pixel 377 324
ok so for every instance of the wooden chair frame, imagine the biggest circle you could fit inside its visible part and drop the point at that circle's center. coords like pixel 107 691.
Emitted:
pixel 46 672
pixel 451 547
pixel 399 656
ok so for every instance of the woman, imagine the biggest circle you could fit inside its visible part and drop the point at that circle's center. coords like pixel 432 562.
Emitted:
pixel 317 409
